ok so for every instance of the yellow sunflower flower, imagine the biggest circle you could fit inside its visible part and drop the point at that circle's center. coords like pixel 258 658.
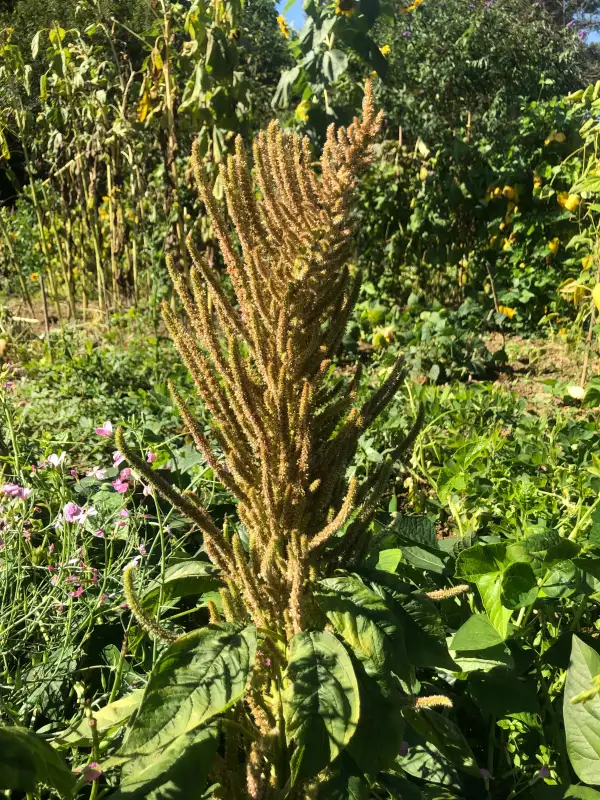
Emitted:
pixel 345 7
pixel 507 311
pixel 283 26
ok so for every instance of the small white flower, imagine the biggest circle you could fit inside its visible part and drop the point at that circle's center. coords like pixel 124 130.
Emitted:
pixel 56 460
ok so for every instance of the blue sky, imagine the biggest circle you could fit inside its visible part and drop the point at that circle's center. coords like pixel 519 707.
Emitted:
pixel 295 15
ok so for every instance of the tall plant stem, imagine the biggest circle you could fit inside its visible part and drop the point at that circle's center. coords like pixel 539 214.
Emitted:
pixel 14 262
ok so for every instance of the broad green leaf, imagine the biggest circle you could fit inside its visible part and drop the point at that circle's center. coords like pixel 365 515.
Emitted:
pixel 484 660
pixel 445 735
pixel 379 734
pixel 27 760
pixel 181 580
pixel 335 63
pixel 581 793
pixel 561 580
pixel 477 633
pixel 399 787
pixel 518 586
pixel 199 676
pixel 111 716
pixel 35 45
pixel 490 589
pixel 366 622
pixel 582 720
pixel 179 771
pixel 388 560
pixel 424 761
pixel 425 558
pixel 417 540
pixel 502 693
pixel 416 529
pixel 345 782
pixel 480 560
pixel 320 703
pixel 57 34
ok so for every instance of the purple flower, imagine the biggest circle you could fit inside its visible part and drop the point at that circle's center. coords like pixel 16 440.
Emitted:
pixel 120 486
pixel 150 457
pixel 73 473
pixel 406 32
pixel 485 774
pixel 13 490
pixel 142 549
pixel 571 23
pixel 543 772
pixel 106 429
pixel 581 35
pixel 404 749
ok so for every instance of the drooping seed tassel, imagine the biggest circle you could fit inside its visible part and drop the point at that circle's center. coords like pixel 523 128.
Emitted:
pixel 146 623
pixel 445 594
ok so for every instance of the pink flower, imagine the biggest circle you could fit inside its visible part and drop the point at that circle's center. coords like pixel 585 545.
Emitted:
pixel 73 473
pixel 125 474
pixel 92 772
pixel 106 429
pixel 33 468
pixel 51 548
pixel 150 457
pixel 15 491
pixel 147 491
pixel 9 385
pixel 103 598
pixel 54 580
pixel 142 549
pixel 120 486
pixel 118 457
pixel 72 512
pixel 51 568
pixel 77 593
pixel 94 577
pixel 56 460
pixel 123 512
pixel 99 533
pixel 96 472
